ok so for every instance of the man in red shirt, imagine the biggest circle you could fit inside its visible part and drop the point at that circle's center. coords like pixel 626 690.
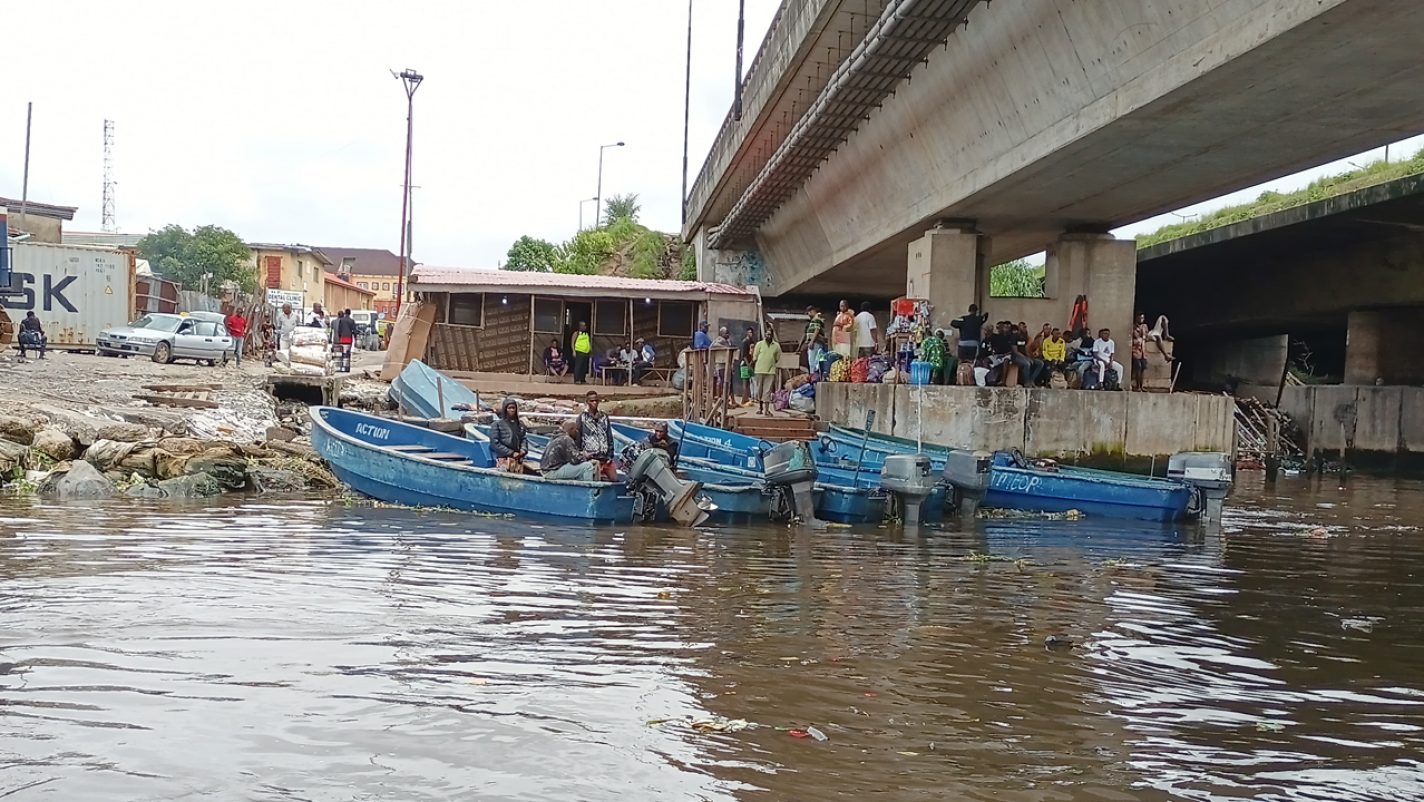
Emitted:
pixel 237 330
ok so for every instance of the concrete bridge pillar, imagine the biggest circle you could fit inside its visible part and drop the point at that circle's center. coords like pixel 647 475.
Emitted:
pixel 1102 268
pixel 1377 347
pixel 946 267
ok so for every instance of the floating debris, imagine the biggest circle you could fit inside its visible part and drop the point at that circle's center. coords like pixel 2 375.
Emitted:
pixel 817 734
pixel 1270 726
pixel 1001 513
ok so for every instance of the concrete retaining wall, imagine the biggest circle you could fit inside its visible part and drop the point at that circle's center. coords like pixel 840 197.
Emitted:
pixel 1109 428
pixel 1381 427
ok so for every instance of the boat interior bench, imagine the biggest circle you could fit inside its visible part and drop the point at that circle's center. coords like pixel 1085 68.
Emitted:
pixel 430 453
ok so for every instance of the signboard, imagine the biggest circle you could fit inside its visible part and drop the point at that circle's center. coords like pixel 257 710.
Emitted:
pixel 278 297
pixel 4 254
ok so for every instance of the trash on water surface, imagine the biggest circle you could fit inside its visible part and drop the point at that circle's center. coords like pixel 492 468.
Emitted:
pixel 712 724
pixel 817 734
pixel 1269 726
pixel 798 733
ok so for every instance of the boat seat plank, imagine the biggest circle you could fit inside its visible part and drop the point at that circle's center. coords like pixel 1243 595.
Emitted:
pixel 411 449
pixel 445 456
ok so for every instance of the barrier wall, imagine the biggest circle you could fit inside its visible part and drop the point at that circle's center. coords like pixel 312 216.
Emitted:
pixel 1107 428
pixel 1376 426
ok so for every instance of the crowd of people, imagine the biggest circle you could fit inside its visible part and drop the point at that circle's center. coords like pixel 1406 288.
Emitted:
pixel 975 351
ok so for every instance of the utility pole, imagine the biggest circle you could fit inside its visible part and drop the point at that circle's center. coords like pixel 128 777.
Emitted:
pixel 25 186
pixel 411 81
pixel 741 32
pixel 686 113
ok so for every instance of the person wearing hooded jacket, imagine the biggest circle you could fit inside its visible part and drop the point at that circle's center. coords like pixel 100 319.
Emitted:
pixel 508 438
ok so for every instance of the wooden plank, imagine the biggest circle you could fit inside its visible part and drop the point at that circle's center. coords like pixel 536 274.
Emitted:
pixel 410 449
pixel 445 456
pixel 174 401
pixel 181 388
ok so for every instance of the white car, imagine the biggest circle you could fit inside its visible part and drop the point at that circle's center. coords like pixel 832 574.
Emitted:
pixel 165 337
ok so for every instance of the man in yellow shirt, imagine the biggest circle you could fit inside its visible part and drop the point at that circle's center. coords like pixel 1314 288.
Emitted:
pixel 583 351
pixel 767 356
pixel 1055 352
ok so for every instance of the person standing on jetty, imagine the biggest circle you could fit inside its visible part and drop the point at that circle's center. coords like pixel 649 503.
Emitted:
pixel 583 352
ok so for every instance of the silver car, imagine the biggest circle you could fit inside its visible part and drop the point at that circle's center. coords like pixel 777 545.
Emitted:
pixel 165 337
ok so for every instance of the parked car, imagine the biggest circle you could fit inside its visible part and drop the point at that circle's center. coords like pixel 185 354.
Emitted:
pixel 201 337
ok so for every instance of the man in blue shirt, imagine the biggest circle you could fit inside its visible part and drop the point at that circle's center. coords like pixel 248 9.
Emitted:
pixel 701 341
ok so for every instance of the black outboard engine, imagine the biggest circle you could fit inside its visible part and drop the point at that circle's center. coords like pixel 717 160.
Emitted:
pixel 968 473
pixel 789 472
pixel 654 484
pixel 907 478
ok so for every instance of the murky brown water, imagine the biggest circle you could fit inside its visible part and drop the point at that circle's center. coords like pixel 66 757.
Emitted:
pixel 306 651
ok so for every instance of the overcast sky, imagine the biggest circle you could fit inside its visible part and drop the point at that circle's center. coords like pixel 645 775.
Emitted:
pixel 281 120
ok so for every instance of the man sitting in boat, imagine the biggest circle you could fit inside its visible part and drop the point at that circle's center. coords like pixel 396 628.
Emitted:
pixel 507 438
pixel 595 437
pixel 563 459
pixel 659 439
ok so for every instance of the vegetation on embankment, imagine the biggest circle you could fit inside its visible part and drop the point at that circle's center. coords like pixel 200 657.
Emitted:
pixel 618 246
pixel 1329 186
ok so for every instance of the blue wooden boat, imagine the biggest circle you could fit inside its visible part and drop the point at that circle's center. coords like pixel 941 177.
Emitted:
pixel 1019 485
pixel 424 392
pixel 403 464
pixel 841 504
pixel 1016 483
pixel 719 445
pixel 734 498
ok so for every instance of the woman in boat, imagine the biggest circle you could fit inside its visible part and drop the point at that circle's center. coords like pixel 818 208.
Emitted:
pixel 508 438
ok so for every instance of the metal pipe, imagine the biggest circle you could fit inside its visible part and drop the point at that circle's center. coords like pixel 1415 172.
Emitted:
pixel 741 33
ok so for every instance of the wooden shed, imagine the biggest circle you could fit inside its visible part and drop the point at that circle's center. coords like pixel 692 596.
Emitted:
pixel 498 321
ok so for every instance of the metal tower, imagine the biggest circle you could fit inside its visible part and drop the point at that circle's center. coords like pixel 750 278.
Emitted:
pixel 107 222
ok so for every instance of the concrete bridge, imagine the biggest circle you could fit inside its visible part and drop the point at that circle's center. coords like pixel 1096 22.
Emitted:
pixel 891 147
pixel 1344 277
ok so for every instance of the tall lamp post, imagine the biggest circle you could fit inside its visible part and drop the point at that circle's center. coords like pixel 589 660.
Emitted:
pixel 411 80
pixel 581 203
pixel 598 197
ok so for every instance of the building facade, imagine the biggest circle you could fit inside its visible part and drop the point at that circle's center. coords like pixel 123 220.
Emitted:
pixel 292 268
pixel 342 294
pixel 374 269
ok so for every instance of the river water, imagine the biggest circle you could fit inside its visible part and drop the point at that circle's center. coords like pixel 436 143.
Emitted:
pixel 307 650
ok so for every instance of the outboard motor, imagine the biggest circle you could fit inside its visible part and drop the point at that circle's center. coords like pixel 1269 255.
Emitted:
pixel 968 473
pixel 653 483
pixel 789 471
pixel 908 479
pixel 1210 473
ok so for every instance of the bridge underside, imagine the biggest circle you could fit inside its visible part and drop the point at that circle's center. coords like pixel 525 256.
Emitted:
pixel 1045 116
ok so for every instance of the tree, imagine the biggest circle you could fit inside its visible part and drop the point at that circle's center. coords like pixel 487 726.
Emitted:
pixel 621 207
pixel 207 252
pixel 1016 279
pixel 529 254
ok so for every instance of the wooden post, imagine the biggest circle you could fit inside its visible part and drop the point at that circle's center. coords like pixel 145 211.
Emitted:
pixel 440 394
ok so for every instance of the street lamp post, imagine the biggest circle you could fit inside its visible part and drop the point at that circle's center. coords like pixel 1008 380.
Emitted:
pixel 581 203
pixel 411 80
pixel 598 197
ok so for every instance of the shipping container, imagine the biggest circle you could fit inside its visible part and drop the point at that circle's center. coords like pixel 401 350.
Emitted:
pixel 76 290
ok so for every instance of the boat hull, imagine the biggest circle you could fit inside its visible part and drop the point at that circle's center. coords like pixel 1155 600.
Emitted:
pixel 425 392
pixel 410 479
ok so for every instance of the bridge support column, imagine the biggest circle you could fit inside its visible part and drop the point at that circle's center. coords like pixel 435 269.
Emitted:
pixel 1376 347
pixel 1102 268
pixel 946 267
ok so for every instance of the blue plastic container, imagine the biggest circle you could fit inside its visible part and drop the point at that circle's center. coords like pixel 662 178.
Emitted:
pixel 920 372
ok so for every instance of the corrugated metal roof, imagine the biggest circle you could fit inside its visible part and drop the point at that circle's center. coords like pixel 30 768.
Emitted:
pixel 39 209
pixel 514 280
